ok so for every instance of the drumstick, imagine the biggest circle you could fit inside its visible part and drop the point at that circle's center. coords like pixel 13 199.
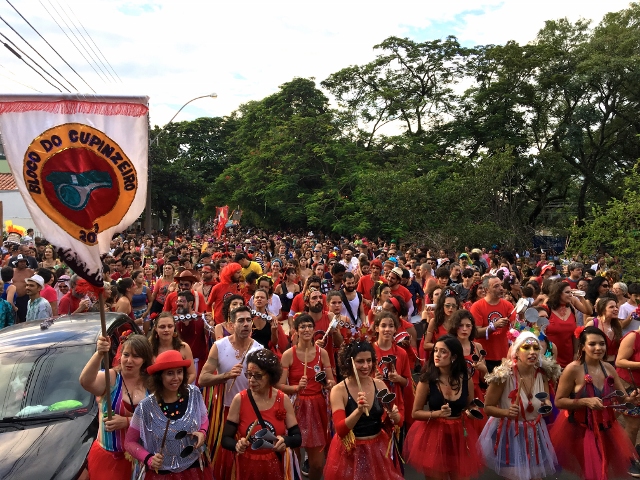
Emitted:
pixel 164 438
pixel 253 425
pixel 353 362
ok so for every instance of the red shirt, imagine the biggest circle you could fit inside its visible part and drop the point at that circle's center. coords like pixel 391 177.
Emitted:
pixel 404 370
pixel 497 345
pixel 560 332
pixel 365 285
pixel 161 289
pixel 401 291
pixel 217 296
pixel 274 418
pixel 49 294
pixel 314 366
pixel 298 305
pixel 193 335
pixel 68 304
pixel 170 304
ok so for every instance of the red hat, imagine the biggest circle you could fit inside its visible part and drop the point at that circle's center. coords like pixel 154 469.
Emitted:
pixel 167 360
pixel 547 267
pixel 376 263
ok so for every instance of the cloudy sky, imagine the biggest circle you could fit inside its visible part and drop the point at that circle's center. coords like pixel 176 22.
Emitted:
pixel 242 50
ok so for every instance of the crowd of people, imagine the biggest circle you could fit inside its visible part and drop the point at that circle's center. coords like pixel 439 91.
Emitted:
pixel 270 357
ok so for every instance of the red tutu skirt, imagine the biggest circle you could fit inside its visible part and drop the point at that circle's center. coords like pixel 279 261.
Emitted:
pixel 105 465
pixel 367 461
pixel 440 445
pixel 311 413
pixel 258 466
pixel 593 455
pixel 188 474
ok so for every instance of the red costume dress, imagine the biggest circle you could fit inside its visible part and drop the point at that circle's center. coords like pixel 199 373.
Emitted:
pixel 260 464
pixel 446 446
pixel 591 443
pixel 310 404
pixel 560 332
pixel 358 458
pixel 404 396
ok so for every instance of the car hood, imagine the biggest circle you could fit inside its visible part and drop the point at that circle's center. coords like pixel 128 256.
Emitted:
pixel 52 450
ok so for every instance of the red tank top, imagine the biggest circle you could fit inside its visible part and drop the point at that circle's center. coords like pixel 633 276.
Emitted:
pixel 402 368
pixel 296 370
pixel 274 418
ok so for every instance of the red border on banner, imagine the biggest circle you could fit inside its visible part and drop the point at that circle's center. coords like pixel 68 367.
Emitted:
pixel 68 107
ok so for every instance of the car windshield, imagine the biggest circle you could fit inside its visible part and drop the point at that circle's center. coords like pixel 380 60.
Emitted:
pixel 40 383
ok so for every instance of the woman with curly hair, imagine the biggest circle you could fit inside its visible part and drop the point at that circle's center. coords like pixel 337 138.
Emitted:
pixel 262 407
pixel 359 448
pixel 442 435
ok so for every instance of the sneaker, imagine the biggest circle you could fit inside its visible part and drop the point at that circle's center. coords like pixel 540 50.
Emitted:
pixel 634 470
pixel 305 468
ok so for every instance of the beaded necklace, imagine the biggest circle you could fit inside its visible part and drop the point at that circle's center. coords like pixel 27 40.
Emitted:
pixel 168 408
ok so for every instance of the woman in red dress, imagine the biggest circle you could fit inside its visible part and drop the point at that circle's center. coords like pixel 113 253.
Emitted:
pixel 587 437
pixel 306 373
pixel 607 321
pixel 396 374
pixel 562 321
pixel 255 459
pixel 358 451
pixel 441 442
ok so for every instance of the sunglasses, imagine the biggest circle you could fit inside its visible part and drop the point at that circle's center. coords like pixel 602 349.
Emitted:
pixel 256 376
pixel 450 306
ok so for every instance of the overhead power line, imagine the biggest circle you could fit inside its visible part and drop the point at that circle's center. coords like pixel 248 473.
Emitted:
pixel 37 64
pixel 94 55
pixel 50 46
pixel 94 43
pixel 90 62
pixel 29 65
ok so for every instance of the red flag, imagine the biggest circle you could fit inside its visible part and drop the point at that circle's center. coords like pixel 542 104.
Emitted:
pixel 222 213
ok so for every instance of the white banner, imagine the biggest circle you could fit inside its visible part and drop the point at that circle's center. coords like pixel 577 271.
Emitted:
pixel 80 163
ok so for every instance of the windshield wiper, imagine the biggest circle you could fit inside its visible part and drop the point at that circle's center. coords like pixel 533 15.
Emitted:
pixel 37 418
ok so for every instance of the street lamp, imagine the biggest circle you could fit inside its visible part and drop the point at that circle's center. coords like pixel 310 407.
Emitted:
pixel 147 215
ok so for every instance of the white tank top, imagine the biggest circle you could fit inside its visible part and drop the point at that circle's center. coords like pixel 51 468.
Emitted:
pixel 227 359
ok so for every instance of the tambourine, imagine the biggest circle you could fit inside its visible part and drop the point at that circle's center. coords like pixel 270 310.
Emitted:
pixel 266 317
pixel 188 317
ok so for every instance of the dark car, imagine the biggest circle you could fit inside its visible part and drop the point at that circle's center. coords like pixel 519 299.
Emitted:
pixel 47 421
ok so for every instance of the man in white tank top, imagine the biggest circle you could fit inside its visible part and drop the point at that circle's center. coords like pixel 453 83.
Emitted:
pixel 226 362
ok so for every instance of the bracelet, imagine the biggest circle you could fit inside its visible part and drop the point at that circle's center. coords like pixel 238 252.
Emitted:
pixel 146 459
